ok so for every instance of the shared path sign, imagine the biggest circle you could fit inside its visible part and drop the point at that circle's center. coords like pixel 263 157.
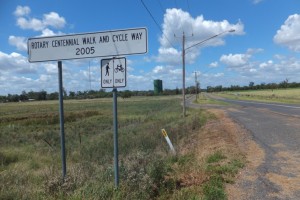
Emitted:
pixel 113 73
pixel 88 45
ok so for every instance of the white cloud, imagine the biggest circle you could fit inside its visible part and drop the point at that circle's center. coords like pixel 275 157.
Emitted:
pixel 53 19
pixel 257 1
pixel 19 42
pixel 24 21
pixel 288 34
pixel 214 64
pixel 266 64
pixel 47 32
pixel 158 69
pixel 169 55
pixel 34 24
pixel 235 60
pixel 239 60
pixel 12 61
pixel 218 75
pixel 176 21
pixel 22 11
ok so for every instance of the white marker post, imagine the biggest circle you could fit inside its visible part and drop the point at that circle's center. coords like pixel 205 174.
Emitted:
pixel 164 132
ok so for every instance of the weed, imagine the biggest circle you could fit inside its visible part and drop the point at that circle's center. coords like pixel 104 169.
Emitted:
pixel 214 188
pixel 30 149
pixel 221 171
pixel 216 157
pixel 7 158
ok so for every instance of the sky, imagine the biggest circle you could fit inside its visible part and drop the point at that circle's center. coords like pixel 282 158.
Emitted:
pixel 264 48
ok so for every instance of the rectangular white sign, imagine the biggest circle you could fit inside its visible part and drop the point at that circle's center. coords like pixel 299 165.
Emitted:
pixel 88 45
pixel 113 73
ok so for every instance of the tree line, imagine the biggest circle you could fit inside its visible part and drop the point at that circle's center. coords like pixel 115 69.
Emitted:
pixel 102 93
pixel 89 94
pixel 282 85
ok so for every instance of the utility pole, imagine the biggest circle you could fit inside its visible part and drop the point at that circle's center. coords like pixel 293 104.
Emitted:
pixel 183 74
pixel 196 85
pixel 183 61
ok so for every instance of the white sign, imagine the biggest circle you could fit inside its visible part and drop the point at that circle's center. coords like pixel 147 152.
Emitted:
pixel 88 45
pixel 113 73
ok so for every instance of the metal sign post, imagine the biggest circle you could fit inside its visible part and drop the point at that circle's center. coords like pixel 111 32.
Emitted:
pixel 61 117
pixel 116 146
pixel 113 75
pixel 91 45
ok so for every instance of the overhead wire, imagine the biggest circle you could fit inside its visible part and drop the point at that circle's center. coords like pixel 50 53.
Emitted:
pixel 188 5
pixel 152 17
pixel 160 5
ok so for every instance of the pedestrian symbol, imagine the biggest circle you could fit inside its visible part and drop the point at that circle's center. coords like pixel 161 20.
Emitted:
pixel 107 69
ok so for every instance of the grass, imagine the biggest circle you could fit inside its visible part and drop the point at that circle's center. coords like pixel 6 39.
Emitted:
pixel 291 96
pixel 204 100
pixel 221 171
pixel 30 160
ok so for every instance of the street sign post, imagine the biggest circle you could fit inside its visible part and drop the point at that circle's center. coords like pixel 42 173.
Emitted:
pixel 113 73
pixel 88 45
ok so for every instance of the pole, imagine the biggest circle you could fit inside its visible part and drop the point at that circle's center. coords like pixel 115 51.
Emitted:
pixel 196 86
pixel 183 73
pixel 116 150
pixel 61 117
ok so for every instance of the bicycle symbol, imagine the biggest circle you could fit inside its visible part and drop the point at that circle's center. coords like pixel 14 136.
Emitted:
pixel 119 68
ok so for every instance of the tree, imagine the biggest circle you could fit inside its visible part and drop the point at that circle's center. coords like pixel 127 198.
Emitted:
pixel 125 94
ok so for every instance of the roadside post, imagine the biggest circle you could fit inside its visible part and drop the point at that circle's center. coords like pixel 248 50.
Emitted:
pixel 61 120
pixel 164 132
pixel 90 45
pixel 113 75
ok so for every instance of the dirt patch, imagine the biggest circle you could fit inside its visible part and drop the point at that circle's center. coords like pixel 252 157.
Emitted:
pixel 235 142
pixel 289 178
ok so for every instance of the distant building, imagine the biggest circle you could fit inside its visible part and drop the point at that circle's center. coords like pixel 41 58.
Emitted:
pixel 158 87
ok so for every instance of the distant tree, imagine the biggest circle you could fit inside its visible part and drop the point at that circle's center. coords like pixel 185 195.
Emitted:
pixel 72 94
pixel 53 96
pixel 42 95
pixel 23 96
pixel 177 91
pixel 284 83
pixel 125 94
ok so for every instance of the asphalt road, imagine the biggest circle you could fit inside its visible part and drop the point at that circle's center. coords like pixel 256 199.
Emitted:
pixel 276 129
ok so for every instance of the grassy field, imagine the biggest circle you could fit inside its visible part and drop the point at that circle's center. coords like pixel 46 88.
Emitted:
pixel 277 95
pixel 204 100
pixel 30 158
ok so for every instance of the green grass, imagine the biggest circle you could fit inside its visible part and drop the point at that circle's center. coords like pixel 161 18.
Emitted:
pixel 291 96
pixel 222 170
pixel 216 157
pixel 30 160
pixel 204 100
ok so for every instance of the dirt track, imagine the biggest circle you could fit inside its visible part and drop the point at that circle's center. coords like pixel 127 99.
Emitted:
pixel 270 142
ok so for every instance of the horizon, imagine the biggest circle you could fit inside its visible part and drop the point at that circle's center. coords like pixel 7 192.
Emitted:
pixel 263 48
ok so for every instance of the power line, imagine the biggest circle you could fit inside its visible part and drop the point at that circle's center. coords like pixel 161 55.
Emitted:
pixel 156 23
pixel 162 9
pixel 188 5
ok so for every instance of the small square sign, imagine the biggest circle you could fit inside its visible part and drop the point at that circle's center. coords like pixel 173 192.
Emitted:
pixel 113 72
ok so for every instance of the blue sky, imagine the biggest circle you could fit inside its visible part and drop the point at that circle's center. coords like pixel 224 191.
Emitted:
pixel 264 47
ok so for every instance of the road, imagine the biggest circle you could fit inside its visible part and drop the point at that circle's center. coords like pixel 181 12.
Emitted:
pixel 276 129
